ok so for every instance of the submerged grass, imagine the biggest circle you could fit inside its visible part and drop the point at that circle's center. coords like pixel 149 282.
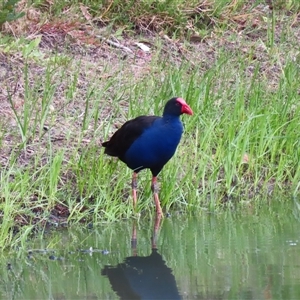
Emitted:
pixel 241 143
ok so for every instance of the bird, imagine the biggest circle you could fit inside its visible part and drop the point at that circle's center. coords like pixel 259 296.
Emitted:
pixel 149 142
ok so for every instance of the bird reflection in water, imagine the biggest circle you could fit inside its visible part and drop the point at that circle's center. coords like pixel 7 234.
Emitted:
pixel 143 277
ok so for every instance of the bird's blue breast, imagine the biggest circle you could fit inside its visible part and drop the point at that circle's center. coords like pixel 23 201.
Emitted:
pixel 156 145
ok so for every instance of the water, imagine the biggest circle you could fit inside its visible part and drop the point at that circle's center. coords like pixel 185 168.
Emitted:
pixel 249 254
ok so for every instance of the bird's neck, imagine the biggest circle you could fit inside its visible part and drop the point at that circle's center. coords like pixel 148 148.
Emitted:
pixel 170 118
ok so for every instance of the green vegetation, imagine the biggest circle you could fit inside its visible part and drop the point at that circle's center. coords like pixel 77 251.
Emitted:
pixel 8 12
pixel 63 91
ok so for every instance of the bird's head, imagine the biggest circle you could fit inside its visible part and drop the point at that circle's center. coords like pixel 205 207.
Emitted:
pixel 177 106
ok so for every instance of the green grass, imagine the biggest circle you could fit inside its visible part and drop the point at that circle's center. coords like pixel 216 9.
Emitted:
pixel 241 143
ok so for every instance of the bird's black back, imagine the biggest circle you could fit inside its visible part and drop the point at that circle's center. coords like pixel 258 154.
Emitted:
pixel 124 137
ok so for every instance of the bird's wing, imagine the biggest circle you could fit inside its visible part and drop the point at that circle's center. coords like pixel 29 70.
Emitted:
pixel 124 137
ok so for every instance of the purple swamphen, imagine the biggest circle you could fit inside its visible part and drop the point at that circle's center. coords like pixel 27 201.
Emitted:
pixel 148 142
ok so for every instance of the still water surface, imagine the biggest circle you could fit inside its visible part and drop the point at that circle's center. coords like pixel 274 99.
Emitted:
pixel 250 254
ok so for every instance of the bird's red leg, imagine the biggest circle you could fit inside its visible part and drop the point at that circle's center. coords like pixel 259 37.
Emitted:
pixel 134 187
pixel 154 188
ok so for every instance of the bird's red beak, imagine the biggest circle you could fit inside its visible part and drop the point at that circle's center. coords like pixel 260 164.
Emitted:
pixel 185 109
